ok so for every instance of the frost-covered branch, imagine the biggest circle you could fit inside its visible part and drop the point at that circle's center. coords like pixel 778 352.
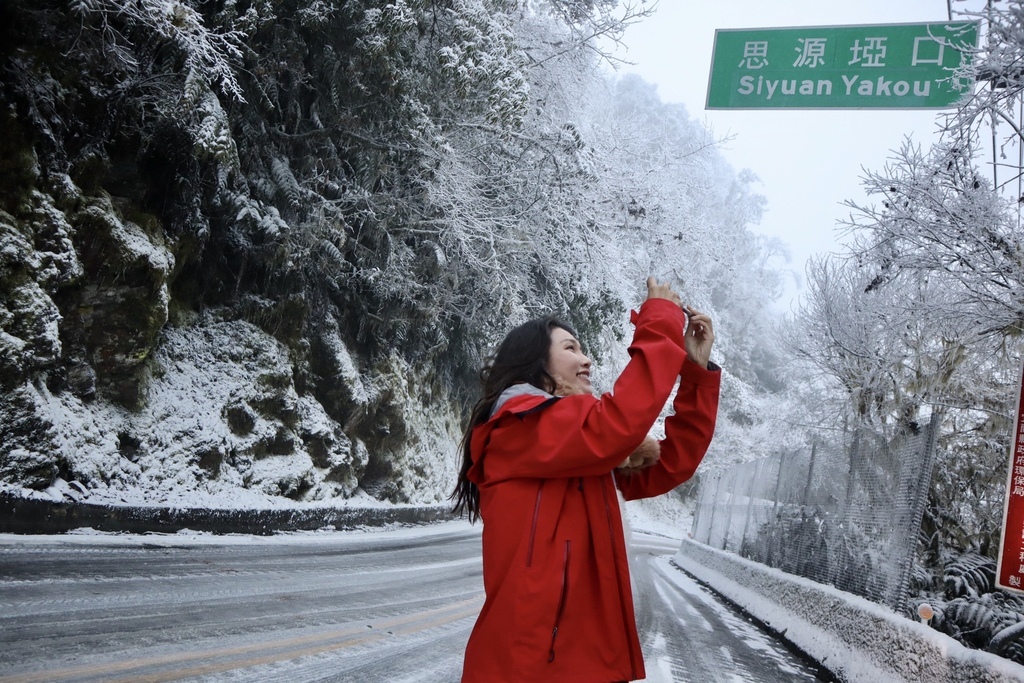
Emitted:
pixel 214 55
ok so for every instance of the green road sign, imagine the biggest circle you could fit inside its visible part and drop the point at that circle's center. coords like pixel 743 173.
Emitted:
pixel 895 66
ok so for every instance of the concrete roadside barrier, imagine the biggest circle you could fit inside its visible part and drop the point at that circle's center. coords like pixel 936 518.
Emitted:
pixel 35 516
pixel 852 637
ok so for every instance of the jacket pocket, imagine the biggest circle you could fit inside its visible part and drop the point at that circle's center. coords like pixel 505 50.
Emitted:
pixel 533 525
pixel 561 601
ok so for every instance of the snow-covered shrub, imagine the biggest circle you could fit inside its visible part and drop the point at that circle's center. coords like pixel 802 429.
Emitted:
pixel 969 607
pixel 177 25
pixel 970 575
pixel 977 620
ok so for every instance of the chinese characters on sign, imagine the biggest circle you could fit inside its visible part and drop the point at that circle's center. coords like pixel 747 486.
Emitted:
pixel 872 53
pixel 902 66
pixel 1010 569
pixel 812 52
pixel 755 54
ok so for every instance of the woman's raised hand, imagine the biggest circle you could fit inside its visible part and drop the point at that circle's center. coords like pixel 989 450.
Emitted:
pixel 700 335
pixel 662 290
pixel 700 332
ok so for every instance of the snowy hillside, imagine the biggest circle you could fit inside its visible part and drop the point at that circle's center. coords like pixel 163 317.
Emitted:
pixel 254 254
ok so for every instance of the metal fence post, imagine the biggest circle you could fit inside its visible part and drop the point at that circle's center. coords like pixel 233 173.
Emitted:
pixel 919 501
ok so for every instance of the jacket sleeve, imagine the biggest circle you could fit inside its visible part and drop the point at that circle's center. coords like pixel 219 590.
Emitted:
pixel 582 435
pixel 688 433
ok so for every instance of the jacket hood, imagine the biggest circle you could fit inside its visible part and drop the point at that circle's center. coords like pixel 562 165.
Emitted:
pixel 514 391
pixel 529 397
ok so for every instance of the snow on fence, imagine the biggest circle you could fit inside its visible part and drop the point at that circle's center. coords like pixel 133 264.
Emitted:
pixel 856 639
pixel 843 514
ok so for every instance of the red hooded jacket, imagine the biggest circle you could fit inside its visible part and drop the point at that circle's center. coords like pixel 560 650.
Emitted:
pixel 558 601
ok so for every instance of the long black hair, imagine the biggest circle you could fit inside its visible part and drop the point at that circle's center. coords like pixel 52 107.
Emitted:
pixel 521 357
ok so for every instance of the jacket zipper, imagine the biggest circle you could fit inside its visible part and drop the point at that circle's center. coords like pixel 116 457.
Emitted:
pixel 533 526
pixel 622 602
pixel 561 601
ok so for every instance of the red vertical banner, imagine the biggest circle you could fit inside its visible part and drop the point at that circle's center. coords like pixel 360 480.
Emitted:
pixel 1010 569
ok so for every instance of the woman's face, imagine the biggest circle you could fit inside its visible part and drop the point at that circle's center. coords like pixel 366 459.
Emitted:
pixel 568 364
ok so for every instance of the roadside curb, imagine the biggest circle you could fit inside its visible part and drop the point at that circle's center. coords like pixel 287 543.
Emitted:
pixel 20 515
pixel 857 640
pixel 822 673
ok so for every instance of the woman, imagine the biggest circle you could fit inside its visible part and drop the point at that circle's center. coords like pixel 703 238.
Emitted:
pixel 538 461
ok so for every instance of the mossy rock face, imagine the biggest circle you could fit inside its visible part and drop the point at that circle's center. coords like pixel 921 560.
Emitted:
pixel 83 293
pixel 37 260
pixel 160 234
pixel 18 164
pixel 28 453
pixel 28 317
pixel 338 382
pixel 410 434
pixel 240 418
pixel 112 322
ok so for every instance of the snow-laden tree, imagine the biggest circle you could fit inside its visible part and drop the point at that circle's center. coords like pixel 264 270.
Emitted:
pixel 887 361
pixel 924 311
pixel 673 208
pixel 374 191
pixel 936 215
pixel 286 165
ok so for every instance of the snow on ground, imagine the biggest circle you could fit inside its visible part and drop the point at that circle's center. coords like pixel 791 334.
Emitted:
pixel 228 499
pixel 749 634
pixel 662 516
pixel 918 648
pixel 188 537
pixel 856 638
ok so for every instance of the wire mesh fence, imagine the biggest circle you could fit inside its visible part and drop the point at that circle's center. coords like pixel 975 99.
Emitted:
pixel 845 513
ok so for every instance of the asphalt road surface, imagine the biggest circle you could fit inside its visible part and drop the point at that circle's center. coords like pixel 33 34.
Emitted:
pixel 380 607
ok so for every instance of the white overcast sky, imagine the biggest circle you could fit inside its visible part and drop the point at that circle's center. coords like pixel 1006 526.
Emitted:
pixel 808 162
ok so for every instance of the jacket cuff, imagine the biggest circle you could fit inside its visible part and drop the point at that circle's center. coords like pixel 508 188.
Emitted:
pixel 695 374
pixel 665 305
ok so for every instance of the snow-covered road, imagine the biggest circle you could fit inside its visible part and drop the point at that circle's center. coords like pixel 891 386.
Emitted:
pixel 369 607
